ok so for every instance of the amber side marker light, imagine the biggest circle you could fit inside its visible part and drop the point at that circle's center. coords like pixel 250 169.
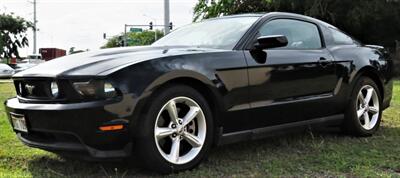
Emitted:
pixel 111 127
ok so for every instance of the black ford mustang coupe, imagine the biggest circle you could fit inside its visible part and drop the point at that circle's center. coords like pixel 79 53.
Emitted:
pixel 214 82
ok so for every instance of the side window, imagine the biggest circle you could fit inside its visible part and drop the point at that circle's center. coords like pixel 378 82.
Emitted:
pixel 300 34
pixel 341 38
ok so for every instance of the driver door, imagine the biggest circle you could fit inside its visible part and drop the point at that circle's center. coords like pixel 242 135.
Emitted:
pixel 294 83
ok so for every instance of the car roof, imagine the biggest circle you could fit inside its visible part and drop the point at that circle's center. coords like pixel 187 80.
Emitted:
pixel 244 15
pixel 287 14
pixel 258 15
pixel 302 17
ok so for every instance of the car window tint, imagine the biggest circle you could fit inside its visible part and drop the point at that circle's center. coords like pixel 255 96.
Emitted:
pixel 300 34
pixel 341 38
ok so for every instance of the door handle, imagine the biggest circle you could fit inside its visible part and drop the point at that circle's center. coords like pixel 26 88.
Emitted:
pixel 324 62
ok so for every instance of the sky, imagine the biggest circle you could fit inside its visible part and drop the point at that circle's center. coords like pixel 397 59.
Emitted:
pixel 81 23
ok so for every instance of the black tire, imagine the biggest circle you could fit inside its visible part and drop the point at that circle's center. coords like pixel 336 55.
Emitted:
pixel 352 124
pixel 146 148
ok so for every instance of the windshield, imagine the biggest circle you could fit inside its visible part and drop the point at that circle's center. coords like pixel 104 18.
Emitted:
pixel 221 33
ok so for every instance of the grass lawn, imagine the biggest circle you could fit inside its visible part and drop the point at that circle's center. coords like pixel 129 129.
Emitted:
pixel 307 154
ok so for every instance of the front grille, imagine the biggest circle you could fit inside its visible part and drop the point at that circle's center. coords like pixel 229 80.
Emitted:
pixel 38 90
pixel 46 137
pixel 34 89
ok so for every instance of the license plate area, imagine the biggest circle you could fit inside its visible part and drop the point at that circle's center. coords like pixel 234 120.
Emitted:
pixel 19 122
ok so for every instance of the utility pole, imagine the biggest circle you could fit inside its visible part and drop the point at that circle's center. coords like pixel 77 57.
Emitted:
pixel 155 33
pixel 166 17
pixel 125 37
pixel 34 27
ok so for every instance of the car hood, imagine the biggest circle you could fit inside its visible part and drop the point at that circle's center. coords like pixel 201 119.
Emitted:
pixel 25 65
pixel 97 63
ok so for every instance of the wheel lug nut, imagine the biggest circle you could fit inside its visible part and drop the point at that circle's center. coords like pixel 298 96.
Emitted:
pixel 174 135
pixel 173 126
pixel 180 121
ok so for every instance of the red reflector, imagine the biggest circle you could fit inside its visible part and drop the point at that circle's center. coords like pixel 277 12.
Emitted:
pixel 111 127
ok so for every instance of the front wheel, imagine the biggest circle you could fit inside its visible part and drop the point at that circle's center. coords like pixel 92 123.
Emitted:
pixel 363 115
pixel 177 130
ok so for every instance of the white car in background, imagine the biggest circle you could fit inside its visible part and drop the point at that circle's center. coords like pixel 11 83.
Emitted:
pixel 6 71
pixel 23 65
pixel 34 59
pixel 30 61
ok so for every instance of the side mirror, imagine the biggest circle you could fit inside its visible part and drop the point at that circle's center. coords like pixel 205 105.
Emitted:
pixel 273 41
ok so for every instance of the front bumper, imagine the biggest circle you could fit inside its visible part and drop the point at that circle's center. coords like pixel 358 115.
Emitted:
pixel 73 128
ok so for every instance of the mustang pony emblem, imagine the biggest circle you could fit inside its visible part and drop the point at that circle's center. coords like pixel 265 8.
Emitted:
pixel 29 88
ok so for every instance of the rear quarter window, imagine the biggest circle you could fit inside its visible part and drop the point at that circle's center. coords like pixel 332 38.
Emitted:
pixel 339 38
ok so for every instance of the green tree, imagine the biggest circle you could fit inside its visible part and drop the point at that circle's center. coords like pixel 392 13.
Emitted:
pixel 72 50
pixel 12 35
pixel 113 42
pixel 372 21
pixel 134 39
pixel 205 9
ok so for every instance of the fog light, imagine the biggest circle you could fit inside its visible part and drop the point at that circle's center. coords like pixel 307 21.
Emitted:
pixel 109 90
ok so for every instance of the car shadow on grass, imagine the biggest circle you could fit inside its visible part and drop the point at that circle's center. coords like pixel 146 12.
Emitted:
pixel 278 155
pixel 59 166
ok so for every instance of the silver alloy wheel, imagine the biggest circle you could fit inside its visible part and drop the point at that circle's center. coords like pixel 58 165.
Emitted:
pixel 180 139
pixel 367 107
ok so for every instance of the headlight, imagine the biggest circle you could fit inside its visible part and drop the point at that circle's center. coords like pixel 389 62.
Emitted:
pixel 85 88
pixel 54 89
pixel 95 89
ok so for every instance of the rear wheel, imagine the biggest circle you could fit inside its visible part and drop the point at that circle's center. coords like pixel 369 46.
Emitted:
pixel 176 131
pixel 363 115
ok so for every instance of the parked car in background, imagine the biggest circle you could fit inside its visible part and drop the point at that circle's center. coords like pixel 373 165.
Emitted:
pixel 6 71
pixel 30 61
pixel 33 59
pixel 214 82
pixel 23 65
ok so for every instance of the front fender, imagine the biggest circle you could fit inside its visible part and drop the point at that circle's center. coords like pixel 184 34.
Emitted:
pixel 176 74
